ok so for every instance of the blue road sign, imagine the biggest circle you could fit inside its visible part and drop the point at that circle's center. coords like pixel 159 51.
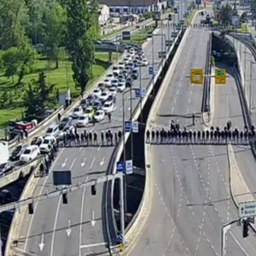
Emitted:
pixel 120 166
pixel 143 92
pixel 127 126
pixel 140 93
pixel 151 71
pixel 137 93
pixel 120 238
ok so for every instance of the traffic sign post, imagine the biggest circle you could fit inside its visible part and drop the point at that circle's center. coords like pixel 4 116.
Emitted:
pixel 127 126
pixel 247 209
pixel 126 35
pixel 196 76
pixel 120 166
pixel 151 71
pixel 220 76
pixel 135 126
pixel 128 167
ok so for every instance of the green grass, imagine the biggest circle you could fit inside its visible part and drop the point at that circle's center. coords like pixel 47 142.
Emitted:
pixel 61 77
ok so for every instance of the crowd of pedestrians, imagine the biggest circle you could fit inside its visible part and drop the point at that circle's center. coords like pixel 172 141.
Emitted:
pixel 90 138
pixel 214 135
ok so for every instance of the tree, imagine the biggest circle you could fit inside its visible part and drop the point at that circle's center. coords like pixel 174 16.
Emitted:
pixel 55 20
pixel 227 12
pixel 37 98
pixel 79 40
pixel 18 61
pixel 13 17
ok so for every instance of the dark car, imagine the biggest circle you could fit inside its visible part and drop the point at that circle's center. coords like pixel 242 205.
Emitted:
pixel 97 105
pixel 134 74
pixel 66 121
pixel 5 196
pixel 84 103
pixel 111 97
pixel 91 98
pixel 6 168
pixel 129 81
pixel 15 156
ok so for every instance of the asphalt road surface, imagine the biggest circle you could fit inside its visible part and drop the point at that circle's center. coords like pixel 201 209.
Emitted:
pixel 187 178
pixel 53 221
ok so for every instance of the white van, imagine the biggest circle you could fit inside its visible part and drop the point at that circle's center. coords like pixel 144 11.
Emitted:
pixel 30 154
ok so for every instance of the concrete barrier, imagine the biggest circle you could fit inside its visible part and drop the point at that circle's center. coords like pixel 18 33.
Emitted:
pixel 18 173
pixel 19 215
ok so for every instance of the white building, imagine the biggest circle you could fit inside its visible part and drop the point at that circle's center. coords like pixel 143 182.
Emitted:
pixel 104 14
pixel 120 7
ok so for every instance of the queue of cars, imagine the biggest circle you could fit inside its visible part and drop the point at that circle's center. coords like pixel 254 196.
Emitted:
pixel 94 108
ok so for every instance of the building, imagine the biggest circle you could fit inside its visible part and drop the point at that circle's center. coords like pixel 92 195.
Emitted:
pixel 104 14
pixel 121 7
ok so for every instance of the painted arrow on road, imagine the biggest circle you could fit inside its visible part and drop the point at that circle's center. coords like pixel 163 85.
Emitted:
pixel 83 163
pixel 102 161
pixel 65 162
pixel 68 230
pixel 93 219
pixel 41 245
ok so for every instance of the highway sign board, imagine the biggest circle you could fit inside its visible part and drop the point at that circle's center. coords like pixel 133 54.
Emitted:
pixel 127 126
pixel 126 35
pixel 151 71
pixel 161 54
pixel 196 76
pixel 128 167
pixel 220 76
pixel 140 93
pixel 247 209
pixel 120 166
pixel 137 93
pixel 235 20
pixel 135 126
pixel 62 178
pixel 157 15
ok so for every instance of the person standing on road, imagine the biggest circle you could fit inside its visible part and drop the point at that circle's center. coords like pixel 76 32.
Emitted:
pixel 116 138
pixel 109 117
pixel 90 138
pixel 152 136
pixel 102 137
pixel 95 138
pixel 157 136
pixel 82 139
pixel 193 119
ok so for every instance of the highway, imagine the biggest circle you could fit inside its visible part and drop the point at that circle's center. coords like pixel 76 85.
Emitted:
pixel 56 229
pixel 187 177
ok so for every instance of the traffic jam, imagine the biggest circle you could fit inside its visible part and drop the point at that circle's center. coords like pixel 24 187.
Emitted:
pixel 96 107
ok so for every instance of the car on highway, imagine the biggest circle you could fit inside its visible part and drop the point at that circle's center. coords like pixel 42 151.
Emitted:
pixel 91 98
pixel 107 82
pixel 104 96
pixel 47 144
pixel 17 152
pixel 97 105
pixel 90 112
pixel 116 70
pixel 114 82
pixel 83 103
pixel 75 120
pixel 97 92
pixel 108 107
pixel 121 77
pixel 66 121
pixel 111 98
pixel 78 111
pixel 130 65
pixel 6 168
pixel 125 73
pixel 101 85
pixel 99 115
pixel 52 130
pixel 129 81
pixel 37 141
pixel 113 90
pixel 135 74
pixel 30 154
pixel 121 64
pixel 144 62
pixel 110 76
pixel 82 121
pixel 67 130
pixel 121 86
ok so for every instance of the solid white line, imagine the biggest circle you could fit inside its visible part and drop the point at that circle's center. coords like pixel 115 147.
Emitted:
pixel 187 110
pixel 92 245
pixel 32 218
pixel 55 225
pixel 81 218
pixel 172 112
pixel 177 91
pixel 92 163
pixel 175 100
pixel 99 147
pixel 244 251
pixel 72 164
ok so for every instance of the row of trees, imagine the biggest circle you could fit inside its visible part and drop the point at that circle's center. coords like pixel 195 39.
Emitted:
pixel 56 27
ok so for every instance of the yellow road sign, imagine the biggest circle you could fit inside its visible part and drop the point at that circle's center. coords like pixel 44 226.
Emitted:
pixel 196 76
pixel 220 76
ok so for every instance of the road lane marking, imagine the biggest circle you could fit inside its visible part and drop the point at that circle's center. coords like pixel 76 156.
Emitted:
pixel 80 149
pixel 83 163
pixel 73 162
pixel 102 161
pixel 55 225
pixel 241 247
pixel 177 91
pixel 98 149
pixel 172 110
pixel 189 101
pixel 92 245
pixel 64 163
pixel 32 218
pixel 93 160
pixel 175 100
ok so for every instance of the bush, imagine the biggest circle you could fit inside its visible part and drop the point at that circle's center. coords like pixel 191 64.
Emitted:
pixel 148 15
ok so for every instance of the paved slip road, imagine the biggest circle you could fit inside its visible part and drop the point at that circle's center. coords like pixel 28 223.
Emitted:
pixel 51 220
pixel 186 177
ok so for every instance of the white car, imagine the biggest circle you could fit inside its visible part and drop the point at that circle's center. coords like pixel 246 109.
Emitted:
pixel 110 76
pixel 121 64
pixel 82 121
pixel 107 82
pixel 78 111
pixel 108 107
pixel 113 91
pixel 121 86
pixel 30 154
pixel 104 96
pixel 116 70
pixel 144 62
pixel 126 60
pixel 114 82
pixel 99 115
pixel 47 144
pixel 97 92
